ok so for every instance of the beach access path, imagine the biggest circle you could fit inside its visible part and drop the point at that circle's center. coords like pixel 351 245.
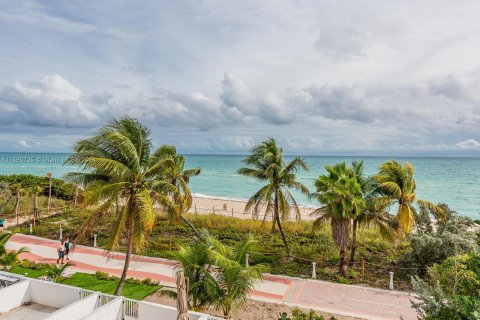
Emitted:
pixel 347 300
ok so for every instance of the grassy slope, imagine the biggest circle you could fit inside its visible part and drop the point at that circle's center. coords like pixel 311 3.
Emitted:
pixel 379 254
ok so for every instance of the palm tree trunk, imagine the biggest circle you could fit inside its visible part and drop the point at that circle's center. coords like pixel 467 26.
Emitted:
pixel 191 226
pixel 354 242
pixel 35 209
pixel 343 261
pixel 17 202
pixel 277 218
pixel 49 192
pixel 121 282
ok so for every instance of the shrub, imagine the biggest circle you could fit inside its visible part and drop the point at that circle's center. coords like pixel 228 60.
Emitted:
pixel 60 188
pixel 433 245
pixel 452 292
pixel 100 275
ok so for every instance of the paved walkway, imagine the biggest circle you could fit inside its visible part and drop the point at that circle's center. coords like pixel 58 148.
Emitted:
pixel 362 302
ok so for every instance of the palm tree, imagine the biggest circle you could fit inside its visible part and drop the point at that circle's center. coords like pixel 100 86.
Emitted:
pixel 117 164
pixel 18 190
pixel 10 259
pixel 49 176
pixel 179 177
pixel 5 195
pixel 55 272
pixel 341 196
pixel 265 164
pixel 35 191
pixel 374 213
pixel 4 237
pixel 195 261
pixel 235 280
pixel 397 185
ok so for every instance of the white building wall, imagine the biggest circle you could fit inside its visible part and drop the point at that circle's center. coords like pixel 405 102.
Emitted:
pixel 14 296
pixel 52 294
pixel 76 310
pixel 152 311
pixel 110 311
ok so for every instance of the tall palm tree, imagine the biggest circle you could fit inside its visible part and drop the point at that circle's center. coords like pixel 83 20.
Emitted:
pixel 235 280
pixel 5 194
pixel 49 176
pixel 397 185
pixel 179 177
pixel 265 164
pixel 34 192
pixel 374 213
pixel 341 196
pixel 117 164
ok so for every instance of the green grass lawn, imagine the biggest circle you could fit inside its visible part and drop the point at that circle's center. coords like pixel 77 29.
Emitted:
pixel 90 282
pixel 32 273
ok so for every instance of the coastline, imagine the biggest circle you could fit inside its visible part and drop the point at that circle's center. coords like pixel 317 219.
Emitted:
pixel 203 204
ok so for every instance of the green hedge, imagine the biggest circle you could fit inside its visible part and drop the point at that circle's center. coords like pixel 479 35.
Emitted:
pixel 60 189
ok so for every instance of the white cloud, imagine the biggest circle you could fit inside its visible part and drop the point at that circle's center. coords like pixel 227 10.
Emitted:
pixel 52 101
pixel 468 144
pixel 24 144
pixel 328 75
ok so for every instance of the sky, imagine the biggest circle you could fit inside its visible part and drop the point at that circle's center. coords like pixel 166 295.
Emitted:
pixel 322 77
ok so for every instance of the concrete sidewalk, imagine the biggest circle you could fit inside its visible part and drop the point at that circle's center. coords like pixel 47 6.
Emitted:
pixel 355 301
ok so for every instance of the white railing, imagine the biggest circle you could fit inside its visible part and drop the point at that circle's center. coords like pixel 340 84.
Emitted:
pixel 130 309
pixel 83 293
pixel 103 299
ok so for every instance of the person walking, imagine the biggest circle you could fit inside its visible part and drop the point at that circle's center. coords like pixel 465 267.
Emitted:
pixel 61 251
pixel 67 247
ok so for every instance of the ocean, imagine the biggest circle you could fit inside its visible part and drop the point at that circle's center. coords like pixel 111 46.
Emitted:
pixel 454 181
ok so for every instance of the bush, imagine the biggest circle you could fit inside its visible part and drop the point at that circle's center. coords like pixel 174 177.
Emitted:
pixel 452 292
pixel 100 275
pixel 60 188
pixel 433 245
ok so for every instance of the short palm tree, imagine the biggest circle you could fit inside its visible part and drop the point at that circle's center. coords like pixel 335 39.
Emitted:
pixel 341 196
pixel 4 237
pixel 9 260
pixel 265 164
pixel 374 213
pixel 195 261
pixel 55 272
pixel 397 185
pixel 117 164
pixel 179 177
pixel 234 280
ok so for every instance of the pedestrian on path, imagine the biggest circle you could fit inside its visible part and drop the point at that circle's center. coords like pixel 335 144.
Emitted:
pixel 61 251
pixel 67 247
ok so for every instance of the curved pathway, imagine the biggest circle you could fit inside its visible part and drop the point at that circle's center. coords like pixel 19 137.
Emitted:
pixel 347 300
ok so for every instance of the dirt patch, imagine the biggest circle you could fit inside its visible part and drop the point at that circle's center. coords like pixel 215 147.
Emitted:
pixel 252 310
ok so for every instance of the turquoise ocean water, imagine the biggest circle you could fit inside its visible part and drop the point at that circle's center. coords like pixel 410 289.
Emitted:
pixel 455 181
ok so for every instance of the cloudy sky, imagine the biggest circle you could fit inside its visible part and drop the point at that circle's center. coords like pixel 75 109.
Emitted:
pixel 323 77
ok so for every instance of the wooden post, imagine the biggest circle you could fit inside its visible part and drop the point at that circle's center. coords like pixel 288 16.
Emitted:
pixel 195 208
pixel 213 209
pixel 314 270
pixel 363 268
pixel 170 243
pixel 232 212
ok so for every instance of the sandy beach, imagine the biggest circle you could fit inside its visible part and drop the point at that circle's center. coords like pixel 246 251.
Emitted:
pixel 235 208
